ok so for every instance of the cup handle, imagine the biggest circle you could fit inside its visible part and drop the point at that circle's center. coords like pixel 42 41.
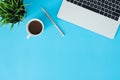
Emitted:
pixel 28 36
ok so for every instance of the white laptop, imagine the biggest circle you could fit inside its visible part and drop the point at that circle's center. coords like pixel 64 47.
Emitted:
pixel 100 16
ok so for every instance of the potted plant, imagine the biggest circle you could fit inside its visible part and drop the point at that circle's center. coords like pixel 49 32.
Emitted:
pixel 11 11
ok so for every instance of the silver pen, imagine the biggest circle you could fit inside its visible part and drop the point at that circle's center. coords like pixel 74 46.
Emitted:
pixel 52 21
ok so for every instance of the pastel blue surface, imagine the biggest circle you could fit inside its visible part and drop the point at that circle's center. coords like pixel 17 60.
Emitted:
pixel 80 55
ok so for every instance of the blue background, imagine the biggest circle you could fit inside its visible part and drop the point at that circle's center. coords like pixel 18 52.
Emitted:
pixel 80 55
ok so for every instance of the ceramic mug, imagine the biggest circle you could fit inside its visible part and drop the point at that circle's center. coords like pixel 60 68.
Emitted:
pixel 34 27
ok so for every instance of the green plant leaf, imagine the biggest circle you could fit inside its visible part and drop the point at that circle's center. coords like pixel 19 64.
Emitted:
pixel 12 26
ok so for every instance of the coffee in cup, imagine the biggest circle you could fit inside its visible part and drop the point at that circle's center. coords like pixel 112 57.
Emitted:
pixel 34 27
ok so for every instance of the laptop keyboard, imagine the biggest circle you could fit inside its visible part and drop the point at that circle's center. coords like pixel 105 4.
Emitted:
pixel 108 8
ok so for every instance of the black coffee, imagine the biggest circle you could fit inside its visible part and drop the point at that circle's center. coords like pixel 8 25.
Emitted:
pixel 35 27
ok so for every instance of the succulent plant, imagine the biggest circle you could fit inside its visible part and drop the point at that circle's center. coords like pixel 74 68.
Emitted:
pixel 11 11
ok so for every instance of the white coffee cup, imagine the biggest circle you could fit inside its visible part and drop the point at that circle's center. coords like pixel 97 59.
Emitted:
pixel 34 27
